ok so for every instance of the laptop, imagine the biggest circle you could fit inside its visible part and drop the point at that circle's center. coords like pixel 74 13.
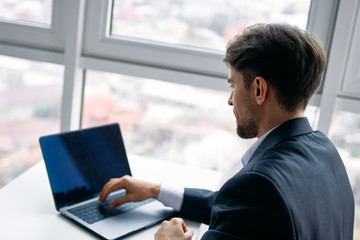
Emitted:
pixel 78 164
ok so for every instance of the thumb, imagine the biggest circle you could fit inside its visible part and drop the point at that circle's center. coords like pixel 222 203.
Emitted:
pixel 189 233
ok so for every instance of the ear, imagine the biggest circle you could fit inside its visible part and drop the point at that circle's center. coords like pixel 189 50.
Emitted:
pixel 261 88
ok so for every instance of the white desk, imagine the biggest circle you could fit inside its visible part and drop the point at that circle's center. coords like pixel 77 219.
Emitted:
pixel 27 210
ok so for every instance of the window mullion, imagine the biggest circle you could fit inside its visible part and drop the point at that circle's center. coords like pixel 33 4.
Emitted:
pixel 336 62
pixel 73 74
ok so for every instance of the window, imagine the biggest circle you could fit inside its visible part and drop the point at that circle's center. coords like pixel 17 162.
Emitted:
pixel 38 11
pixel 182 22
pixel 167 121
pixel 30 97
pixel 345 134
pixel 312 113
pixel 177 35
pixel 167 41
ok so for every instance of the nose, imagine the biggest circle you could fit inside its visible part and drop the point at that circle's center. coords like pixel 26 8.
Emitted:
pixel 230 101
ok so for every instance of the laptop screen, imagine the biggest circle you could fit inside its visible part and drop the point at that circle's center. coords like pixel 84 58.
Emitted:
pixel 79 163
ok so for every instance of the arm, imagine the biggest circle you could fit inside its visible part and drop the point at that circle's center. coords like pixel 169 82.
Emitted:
pixel 250 206
pixel 197 204
pixel 137 190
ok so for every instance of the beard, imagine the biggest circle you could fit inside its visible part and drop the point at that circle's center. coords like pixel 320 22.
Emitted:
pixel 248 126
pixel 248 130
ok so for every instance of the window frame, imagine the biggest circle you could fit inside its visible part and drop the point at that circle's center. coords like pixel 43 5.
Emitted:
pixel 42 37
pixel 79 39
pixel 175 63
pixel 99 43
pixel 333 97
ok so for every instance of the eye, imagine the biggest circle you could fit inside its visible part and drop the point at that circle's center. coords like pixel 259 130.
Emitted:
pixel 231 85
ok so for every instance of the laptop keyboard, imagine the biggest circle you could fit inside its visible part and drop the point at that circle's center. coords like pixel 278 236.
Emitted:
pixel 96 211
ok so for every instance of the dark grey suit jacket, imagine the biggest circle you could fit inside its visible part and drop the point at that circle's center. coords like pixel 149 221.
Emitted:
pixel 294 187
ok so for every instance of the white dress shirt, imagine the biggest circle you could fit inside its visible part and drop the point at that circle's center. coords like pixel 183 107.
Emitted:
pixel 173 196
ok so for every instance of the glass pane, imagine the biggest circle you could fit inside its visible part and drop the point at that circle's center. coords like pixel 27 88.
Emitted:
pixel 27 10
pixel 30 97
pixel 164 120
pixel 345 134
pixel 167 121
pixel 201 23
pixel 312 113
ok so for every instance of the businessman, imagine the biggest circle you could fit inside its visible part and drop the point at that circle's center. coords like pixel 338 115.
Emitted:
pixel 293 184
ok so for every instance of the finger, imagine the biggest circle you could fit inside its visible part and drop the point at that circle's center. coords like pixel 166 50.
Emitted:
pixel 179 221
pixel 164 223
pixel 112 185
pixel 158 234
pixel 183 225
pixel 102 193
pixel 105 193
pixel 107 189
pixel 189 233
pixel 119 202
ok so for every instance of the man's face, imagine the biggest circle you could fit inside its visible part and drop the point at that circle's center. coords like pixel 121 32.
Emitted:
pixel 244 105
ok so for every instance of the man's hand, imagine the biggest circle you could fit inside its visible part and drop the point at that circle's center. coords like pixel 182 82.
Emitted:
pixel 175 229
pixel 136 190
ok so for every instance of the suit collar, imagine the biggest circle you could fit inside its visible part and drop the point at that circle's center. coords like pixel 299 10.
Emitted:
pixel 291 128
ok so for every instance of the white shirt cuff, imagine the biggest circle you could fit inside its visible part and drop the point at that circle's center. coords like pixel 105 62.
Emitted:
pixel 171 196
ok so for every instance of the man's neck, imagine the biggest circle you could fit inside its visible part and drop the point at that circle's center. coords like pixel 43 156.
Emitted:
pixel 277 119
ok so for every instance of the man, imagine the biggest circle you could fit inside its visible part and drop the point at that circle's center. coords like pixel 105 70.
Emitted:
pixel 293 184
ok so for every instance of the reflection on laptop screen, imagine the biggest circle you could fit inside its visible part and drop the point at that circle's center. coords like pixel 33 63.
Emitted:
pixel 80 163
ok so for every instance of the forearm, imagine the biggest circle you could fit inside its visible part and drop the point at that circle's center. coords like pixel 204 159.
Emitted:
pixel 197 204
pixel 193 203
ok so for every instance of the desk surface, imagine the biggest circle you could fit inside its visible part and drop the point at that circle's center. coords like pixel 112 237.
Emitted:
pixel 27 210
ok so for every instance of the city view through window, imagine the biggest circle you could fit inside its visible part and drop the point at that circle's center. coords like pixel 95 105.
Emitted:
pixel 30 98
pixel 181 22
pixel 36 11
pixel 23 83
pixel 345 134
pixel 167 121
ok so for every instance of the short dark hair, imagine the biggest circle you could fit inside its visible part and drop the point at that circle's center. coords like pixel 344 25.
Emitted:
pixel 290 59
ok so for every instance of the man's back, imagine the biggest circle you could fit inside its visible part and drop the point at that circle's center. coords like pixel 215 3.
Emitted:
pixel 315 186
pixel 297 188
